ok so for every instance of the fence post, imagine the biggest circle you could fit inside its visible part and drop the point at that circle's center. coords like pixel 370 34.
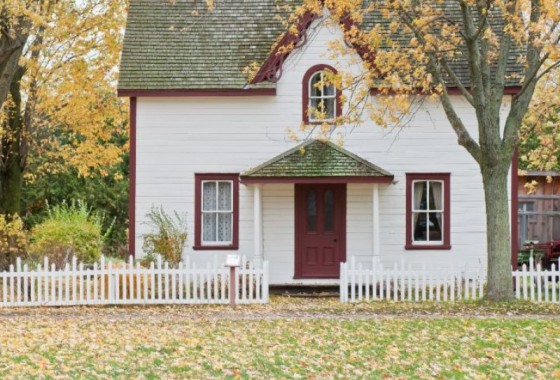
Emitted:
pixel 233 262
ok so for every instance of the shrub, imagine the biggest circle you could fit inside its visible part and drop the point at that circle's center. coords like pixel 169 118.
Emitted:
pixel 13 240
pixel 168 236
pixel 69 230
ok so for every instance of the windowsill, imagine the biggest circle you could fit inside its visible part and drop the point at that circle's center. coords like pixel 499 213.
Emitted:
pixel 418 247
pixel 215 247
pixel 319 122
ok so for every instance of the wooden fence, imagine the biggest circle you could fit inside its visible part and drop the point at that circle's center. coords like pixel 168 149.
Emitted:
pixel 403 282
pixel 128 283
pixel 535 284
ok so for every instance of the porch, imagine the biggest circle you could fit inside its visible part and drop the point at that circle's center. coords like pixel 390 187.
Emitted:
pixel 314 206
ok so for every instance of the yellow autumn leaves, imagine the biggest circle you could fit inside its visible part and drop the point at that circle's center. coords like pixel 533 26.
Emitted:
pixel 291 339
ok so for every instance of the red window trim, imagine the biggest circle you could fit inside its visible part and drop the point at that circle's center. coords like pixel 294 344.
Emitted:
pixel 305 92
pixel 198 178
pixel 446 178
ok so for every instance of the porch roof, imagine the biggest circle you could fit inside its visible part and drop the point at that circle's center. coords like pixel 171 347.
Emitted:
pixel 317 161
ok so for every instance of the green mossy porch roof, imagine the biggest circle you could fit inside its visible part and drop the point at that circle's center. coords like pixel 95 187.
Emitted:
pixel 181 45
pixel 316 158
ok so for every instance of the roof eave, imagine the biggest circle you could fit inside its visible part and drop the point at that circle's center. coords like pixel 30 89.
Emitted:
pixel 196 92
pixel 248 180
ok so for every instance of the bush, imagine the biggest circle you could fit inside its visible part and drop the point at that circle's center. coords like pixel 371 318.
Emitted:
pixel 13 240
pixel 68 230
pixel 168 236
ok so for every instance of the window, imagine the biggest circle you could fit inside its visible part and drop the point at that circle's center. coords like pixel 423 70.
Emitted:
pixel 428 211
pixel 321 99
pixel 217 211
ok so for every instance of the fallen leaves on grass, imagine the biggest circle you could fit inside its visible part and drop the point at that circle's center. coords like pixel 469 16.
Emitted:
pixel 264 342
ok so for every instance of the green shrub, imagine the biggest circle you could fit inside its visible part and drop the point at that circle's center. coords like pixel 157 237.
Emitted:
pixel 13 240
pixel 168 236
pixel 69 230
pixel 524 255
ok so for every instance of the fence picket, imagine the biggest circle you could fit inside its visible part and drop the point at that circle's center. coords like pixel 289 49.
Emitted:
pixel 553 278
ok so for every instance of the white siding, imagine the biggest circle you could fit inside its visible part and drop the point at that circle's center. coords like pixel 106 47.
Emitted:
pixel 180 136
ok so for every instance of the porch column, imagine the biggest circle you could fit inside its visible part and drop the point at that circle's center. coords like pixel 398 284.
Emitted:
pixel 257 220
pixel 375 213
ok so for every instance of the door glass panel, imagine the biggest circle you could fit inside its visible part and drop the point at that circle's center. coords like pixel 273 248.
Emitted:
pixel 329 211
pixel 311 211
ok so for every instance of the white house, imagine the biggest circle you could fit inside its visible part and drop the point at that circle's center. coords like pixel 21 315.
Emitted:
pixel 206 142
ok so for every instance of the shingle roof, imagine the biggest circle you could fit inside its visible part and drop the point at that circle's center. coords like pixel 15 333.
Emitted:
pixel 181 45
pixel 167 46
pixel 452 11
pixel 316 158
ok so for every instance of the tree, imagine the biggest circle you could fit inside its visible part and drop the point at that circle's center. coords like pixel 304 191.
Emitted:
pixel 416 51
pixel 539 147
pixel 61 108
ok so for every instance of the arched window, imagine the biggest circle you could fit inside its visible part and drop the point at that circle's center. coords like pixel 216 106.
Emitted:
pixel 321 99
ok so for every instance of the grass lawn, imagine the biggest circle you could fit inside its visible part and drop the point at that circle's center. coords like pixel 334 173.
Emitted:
pixel 290 338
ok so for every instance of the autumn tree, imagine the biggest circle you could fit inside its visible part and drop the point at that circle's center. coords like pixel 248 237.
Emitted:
pixel 420 50
pixel 60 108
pixel 539 147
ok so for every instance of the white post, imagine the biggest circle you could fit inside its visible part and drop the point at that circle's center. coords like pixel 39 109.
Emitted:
pixel 375 236
pixel 257 220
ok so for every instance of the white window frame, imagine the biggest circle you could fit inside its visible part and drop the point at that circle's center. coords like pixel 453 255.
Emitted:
pixel 322 97
pixel 427 212
pixel 217 211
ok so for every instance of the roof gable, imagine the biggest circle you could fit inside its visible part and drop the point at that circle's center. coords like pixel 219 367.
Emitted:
pixel 316 158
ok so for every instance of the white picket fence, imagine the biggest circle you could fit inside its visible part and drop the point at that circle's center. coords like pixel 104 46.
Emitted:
pixel 405 282
pixel 535 284
pixel 129 283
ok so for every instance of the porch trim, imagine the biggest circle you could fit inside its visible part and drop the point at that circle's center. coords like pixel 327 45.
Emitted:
pixel 311 180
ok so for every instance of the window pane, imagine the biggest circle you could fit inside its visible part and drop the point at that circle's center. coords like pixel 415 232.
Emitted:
pixel 328 90
pixel 209 196
pixel 311 211
pixel 315 85
pixel 420 229
pixel 313 108
pixel 329 211
pixel 436 196
pixel 224 198
pixel 224 227
pixel 208 227
pixel 434 225
pixel 420 195
pixel 329 108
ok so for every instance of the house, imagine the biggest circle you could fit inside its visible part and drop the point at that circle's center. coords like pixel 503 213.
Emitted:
pixel 207 142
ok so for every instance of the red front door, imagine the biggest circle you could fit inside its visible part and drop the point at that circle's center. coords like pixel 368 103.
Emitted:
pixel 320 230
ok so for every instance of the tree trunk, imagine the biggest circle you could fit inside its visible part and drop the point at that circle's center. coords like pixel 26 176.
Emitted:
pixel 11 168
pixel 497 232
pixel 11 179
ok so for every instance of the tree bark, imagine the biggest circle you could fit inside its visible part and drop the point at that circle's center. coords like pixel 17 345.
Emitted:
pixel 494 178
pixel 11 179
pixel 11 169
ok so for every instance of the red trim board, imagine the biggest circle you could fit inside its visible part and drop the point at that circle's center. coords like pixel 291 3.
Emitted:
pixel 132 180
